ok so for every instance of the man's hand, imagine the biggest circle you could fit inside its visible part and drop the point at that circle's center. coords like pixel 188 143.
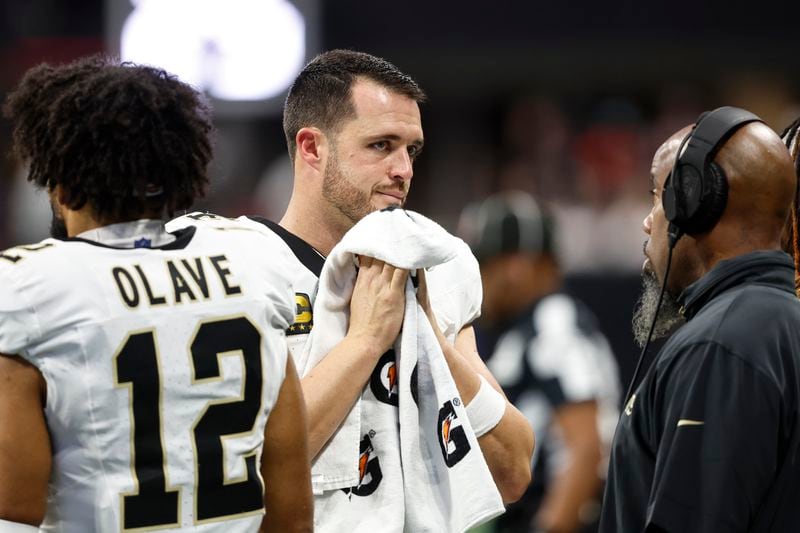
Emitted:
pixel 378 303
pixel 376 314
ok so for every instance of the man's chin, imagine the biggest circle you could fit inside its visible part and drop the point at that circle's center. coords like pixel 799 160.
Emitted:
pixel 668 316
pixel 386 202
pixel 58 229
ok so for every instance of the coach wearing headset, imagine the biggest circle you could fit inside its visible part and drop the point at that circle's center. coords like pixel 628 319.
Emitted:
pixel 710 438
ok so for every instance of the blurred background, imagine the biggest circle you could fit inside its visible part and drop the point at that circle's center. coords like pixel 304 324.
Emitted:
pixel 565 100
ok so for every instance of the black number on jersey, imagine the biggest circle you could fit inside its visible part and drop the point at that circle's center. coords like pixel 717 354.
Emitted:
pixel 12 258
pixel 151 504
pixel 216 496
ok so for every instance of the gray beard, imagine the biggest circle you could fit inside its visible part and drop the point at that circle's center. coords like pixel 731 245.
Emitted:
pixel 669 316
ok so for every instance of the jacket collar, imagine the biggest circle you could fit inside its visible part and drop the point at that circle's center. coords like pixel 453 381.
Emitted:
pixel 772 267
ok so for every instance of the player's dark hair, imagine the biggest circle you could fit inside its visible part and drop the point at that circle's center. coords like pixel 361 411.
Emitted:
pixel 126 139
pixel 790 136
pixel 320 95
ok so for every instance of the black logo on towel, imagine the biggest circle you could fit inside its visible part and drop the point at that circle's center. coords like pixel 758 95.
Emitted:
pixel 369 470
pixel 383 382
pixel 452 438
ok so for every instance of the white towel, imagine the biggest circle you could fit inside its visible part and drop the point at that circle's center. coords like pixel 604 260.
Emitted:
pixel 437 497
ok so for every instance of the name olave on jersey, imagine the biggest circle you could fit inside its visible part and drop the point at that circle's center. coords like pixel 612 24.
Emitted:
pixel 179 281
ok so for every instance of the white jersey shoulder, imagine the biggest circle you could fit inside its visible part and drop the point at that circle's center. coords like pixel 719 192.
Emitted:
pixel 211 220
pixel 161 365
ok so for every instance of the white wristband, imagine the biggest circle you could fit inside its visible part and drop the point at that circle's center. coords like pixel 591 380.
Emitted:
pixel 16 527
pixel 486 408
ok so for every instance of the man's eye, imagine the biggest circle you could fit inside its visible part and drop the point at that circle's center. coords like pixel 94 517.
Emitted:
pixel 413 151
pixel 381 145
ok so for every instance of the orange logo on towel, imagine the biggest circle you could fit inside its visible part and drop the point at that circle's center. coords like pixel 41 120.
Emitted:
pixel 369 469
pixel 384 383
pixel 452 437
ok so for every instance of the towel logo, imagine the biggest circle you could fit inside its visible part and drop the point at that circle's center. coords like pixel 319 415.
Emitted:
pixel 369 470
pixel 383 382
pixel 304 315
pixel 452 438
pixel 414 385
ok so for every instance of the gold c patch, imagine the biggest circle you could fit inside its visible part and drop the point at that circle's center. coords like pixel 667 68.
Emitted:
pixel 304 317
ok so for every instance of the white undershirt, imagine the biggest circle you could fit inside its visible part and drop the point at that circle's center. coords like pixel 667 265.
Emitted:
pixel 144 233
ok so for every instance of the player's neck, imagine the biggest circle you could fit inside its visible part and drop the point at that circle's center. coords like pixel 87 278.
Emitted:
pixel 80 221
pixel 313 229
pixel 84 219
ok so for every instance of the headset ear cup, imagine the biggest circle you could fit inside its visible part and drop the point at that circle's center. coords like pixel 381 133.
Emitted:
pixel 713 203
pixel 669 199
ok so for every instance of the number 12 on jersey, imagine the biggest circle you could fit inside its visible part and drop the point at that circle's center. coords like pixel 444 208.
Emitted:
pixel 136 367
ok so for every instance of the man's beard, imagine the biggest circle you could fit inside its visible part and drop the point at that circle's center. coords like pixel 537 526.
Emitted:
pixel 669 316
pixel 352 202
pixel 58 228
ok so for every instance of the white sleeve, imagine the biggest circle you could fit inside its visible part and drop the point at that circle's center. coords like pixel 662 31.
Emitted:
pixel 19 324
pixel 204 219
pixel 16 527
pixel 562 350
pixel 277 263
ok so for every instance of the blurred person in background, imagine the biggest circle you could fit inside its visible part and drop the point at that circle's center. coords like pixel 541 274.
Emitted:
pixel 709 439
pixel 145 381
pixel 545 350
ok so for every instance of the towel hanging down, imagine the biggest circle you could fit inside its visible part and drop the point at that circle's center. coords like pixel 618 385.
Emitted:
pixel 447 485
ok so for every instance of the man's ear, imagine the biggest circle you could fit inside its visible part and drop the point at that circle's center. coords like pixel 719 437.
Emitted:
pixel 312 147
pixel 57 196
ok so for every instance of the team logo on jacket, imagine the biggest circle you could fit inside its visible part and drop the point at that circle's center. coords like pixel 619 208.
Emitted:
pixel 383 381
pixel 369 469
pixel 452 437
pixel 304 315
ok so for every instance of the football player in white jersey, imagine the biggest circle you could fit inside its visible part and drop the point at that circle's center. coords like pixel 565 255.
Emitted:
pixel 144 376
pixel 353 128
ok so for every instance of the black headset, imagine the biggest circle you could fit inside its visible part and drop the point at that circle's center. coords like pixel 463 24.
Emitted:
pixel 696 191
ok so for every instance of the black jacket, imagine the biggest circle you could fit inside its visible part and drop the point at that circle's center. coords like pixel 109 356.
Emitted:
pixel 711 439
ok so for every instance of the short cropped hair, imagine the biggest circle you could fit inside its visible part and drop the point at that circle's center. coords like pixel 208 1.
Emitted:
pixel 124 138
pixel 321 94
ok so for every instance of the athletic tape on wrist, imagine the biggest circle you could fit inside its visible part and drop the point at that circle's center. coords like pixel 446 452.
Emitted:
pixel 16 527
pixel 486 408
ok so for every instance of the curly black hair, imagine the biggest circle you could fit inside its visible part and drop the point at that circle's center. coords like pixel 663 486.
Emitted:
pixel 320 95
pixel 127 139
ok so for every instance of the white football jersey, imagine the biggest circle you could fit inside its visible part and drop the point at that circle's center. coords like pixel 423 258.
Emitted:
pixel 162 366
pixel 376 503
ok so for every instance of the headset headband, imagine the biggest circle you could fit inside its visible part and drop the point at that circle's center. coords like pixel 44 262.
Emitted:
pixel 712 130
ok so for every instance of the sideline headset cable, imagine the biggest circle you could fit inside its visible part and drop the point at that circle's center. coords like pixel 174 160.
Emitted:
pixel 673 234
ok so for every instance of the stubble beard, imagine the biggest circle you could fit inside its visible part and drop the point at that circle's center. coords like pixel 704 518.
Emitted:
pixel 342 195
pixel 669 315
pixel 58 228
